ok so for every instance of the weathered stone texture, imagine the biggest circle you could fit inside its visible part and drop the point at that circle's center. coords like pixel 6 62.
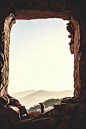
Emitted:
pixel 77 57
pixel 5 54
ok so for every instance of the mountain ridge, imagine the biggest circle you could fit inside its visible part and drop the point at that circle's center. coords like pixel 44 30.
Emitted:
pixel 42 95
pixel 23 93
pixel 41 92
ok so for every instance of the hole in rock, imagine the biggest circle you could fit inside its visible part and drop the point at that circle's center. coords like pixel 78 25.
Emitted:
pixel 41 65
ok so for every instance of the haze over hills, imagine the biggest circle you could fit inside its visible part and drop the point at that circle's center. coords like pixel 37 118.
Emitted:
pixel 35 97
pixel 23 94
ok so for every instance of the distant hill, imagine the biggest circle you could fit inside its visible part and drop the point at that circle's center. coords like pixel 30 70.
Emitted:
pixel 47 104
pixel 41 95
pixel 23 94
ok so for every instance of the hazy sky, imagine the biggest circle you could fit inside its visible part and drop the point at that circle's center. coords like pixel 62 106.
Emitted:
pixel 40 57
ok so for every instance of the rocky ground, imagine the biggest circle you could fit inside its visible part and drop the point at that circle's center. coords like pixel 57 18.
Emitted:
pixel 64 115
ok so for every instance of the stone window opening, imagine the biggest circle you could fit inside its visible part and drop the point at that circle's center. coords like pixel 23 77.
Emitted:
pixel 10 20
pixel 66 43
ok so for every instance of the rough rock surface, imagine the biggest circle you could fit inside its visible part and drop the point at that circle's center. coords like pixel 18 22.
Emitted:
pixel 71 113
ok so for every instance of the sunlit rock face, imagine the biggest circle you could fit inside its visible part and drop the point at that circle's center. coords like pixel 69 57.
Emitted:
pixel 71 112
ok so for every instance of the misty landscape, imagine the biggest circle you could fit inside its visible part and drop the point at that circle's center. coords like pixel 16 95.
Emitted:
pixel 31 97
pixel 45 62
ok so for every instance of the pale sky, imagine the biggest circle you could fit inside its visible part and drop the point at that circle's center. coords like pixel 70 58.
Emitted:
pixel 40 57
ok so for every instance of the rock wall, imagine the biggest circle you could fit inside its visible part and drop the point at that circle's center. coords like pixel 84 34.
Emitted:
pixel 74 29
pixel 77 58
pixel 82 67
pixel 9 21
